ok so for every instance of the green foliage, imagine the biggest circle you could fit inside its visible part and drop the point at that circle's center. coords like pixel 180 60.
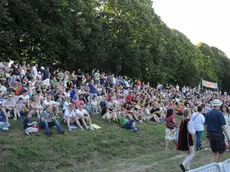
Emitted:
pixel 121 37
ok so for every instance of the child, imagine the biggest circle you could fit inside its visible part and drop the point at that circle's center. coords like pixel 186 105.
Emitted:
pixel 88 107
pixel 29 125
pixel 185 140
pixel 21 108
pixel 94 105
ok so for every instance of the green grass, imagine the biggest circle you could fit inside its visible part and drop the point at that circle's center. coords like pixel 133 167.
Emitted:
pixel 108 149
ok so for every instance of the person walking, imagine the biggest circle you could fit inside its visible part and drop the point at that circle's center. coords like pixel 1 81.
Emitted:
pixel 185 139
pixel 198 124
pixel 216 125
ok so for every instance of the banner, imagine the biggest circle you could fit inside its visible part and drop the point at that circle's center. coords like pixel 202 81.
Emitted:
pixel 209 84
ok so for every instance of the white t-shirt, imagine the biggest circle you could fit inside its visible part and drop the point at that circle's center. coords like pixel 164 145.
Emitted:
pixel 46 103
pixel 80 114
pixel 34 71
pixel 25 98
pixel 3 89
pixel 198 121
pixel 94 103
pixel 69 114
pixel 191 128
pixel 10 104
pixel 65 105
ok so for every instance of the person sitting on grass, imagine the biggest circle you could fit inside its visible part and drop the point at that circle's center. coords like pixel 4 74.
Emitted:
pixel 11 107
pixel 4 123
pixel 48 120
pixel 21 108
pixel 70 117
pixel 84 116
pixel 128 124
pixel 29 125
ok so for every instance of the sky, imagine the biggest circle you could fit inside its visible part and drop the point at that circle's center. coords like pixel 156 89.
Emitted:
pixel 205 21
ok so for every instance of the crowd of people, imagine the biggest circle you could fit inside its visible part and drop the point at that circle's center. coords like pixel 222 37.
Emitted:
pixel 28 90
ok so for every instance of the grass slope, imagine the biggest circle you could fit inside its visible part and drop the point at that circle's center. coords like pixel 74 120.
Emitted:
pixel 108 149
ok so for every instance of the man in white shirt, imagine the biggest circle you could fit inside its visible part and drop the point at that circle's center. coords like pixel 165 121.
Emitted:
pixel 84 116
pixel 198 124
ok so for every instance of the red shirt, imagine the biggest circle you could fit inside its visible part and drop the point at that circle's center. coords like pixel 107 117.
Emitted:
pixel 129 98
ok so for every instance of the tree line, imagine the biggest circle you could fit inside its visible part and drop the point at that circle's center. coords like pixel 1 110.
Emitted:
pixel 122 37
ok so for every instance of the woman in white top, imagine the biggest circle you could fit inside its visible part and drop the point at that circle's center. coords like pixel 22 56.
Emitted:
pixel 66 103
pixel 225 111
pixel 36 107
pixel 84 116
pixel 70 117
pixel 198 124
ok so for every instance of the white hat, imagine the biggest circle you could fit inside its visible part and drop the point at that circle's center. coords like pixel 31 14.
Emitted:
pixel 42 68
pixel 216 103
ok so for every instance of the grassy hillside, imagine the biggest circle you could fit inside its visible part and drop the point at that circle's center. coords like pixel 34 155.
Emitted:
pixel 108 149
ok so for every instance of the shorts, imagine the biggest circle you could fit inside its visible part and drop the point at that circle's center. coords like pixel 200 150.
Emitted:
pixel 217 142
pixel 31 129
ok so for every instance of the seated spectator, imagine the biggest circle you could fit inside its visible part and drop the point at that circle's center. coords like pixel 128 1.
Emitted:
pixel 29 125
pixel 36 107
pixel 88 107
pixel 4 123
pixel 17 88
pixel 25 96
pixel 95 106
pixel 21 108
pixel 78 102
pixel 84 116
pixel 70 117
pixel 128 124
pixel 48 120
pixel 66 103
pixel 11 107
pixel 2 87
pixel 54 104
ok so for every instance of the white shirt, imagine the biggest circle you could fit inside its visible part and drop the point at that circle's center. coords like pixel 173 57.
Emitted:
pixel 25 98
pixel 34 71
pixel 94 103
pixel 3 89
pixel 69 114
pixel 65 105
pixel 191 128
pixel 80 114
pixel 46 103
pixel 198 121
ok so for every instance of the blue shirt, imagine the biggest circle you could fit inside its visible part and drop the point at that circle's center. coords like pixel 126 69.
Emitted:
pixel 92 89
pixel 72 94
pixel 26 121
pixel 46 116
pixel 214 121
pixel 45 74
pixel 2 117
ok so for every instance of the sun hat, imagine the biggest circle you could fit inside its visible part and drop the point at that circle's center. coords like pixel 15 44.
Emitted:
pixel 216 103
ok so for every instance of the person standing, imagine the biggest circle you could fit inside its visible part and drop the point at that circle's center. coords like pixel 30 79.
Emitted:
pixel 198 124
pixel 45 77
pixel 185 139
pixel 225 112
pixel 216 125
pixel 170 129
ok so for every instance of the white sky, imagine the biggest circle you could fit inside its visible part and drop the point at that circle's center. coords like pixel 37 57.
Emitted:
pixel 200 20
